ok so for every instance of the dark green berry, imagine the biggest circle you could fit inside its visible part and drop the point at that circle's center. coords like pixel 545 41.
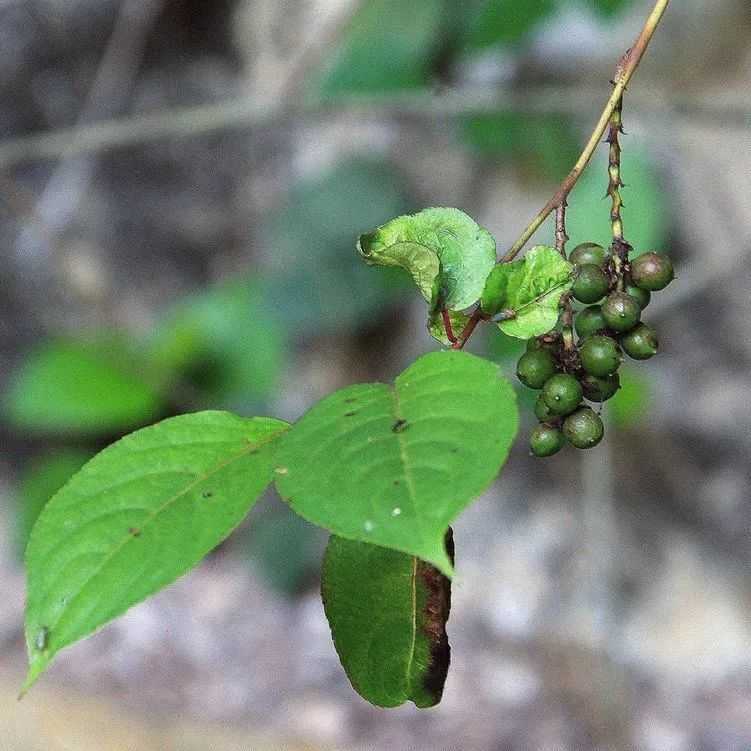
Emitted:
pixel 589 321
pixel 600 389
pixel 535 367
pixel 588 253
pixel 641 342
pixel 600 355
pixel 651 271
pixel 546 441
pixel 542 411
pixel 621 311
pixel 562 393
pixel 591 283
pixel 642 296
pixel 583 428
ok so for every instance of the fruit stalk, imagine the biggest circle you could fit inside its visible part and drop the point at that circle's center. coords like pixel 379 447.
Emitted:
pixel 624 72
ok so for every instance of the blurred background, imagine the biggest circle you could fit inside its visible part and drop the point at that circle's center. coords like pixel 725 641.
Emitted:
pixel 181 187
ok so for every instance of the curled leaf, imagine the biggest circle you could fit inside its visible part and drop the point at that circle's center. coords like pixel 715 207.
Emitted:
pixel 530 290
pixel 446 252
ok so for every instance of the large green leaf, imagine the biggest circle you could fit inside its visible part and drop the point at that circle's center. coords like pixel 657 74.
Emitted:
pixel 137 516
pixel 389 46
pixel 316 282
pixel 447 253
pixel 82 386
pixel 224 342
pixel 387 612
pixel 530 290
pixel 393 465
pixel 645 211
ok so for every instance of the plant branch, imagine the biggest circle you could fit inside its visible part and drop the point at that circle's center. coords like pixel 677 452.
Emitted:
pixel 560 228
pixel 615 182
pixel 625 70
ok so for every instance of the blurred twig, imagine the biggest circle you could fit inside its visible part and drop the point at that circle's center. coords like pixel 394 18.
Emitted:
pixel 245 113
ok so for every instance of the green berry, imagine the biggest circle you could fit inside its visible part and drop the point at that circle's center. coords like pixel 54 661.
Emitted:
pixel 641 342
pixel 621 311
pixel 589 321
pixel 652 271
pixel 542 411
pixel 583 428
pixel 642 296
pixel 600 355
pixel 600 389
pixel 546 441
pixel 588 253
pixel 562 393
pixel 535 367
pixel 591 283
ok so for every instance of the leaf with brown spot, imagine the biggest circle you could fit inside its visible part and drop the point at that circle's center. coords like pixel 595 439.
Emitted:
pixel 388 611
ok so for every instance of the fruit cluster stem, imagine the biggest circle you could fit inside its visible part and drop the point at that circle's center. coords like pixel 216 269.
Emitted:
pixel 561 238
pixel 624 72
pixel 614 171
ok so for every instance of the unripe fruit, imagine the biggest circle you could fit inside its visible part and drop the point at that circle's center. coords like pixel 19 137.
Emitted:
pixel 591 283
pixel 542 411
pixel 546 441
pixel 621 311
pixel 589 321
pixel 651 271
pixel 588 253
pixel 600 389
pixel 641 342
pixel 535 367
pixel 600 355
pixel 583 428
pixel 562 393
pixel 642 296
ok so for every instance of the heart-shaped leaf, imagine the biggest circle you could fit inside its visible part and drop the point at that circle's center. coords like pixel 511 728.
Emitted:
pixel 387 612
pixel 136 517
pixel 447 253
pixel 529 290
pixel 393 465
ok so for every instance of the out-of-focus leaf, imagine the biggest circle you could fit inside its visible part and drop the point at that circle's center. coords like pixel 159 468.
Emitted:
pixel 39 482
pixel 389 46
pixel 225 342
pixel 645 212
pixel 388 612
pixel 93 386
pixel 502 22
pixel 137 516
pixel 608 8
pixel 448 255
pixel 531 288
pixel 317 282
pixel 286 549
pixel 393 465
pixel 546 142
pixel 632 401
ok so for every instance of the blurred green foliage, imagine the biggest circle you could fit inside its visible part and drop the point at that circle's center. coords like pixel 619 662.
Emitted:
pixel 633 401
pixel 503 22
pixel 316 280
pixel 87 385
pixel 41 479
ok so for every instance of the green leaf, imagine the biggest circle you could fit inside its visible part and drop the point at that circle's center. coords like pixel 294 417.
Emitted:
pixel 316 283
pixel 390 45
pixel 645 212
pixel 41 479
pixel 137 516
pixel 393 465
pixel 387 612
pixel 82 386
pixel 447 253
pixel 501 22
pixel 224 342
pixel 531 289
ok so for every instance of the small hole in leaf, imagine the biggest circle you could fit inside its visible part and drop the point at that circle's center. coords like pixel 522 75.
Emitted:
pixel 399 426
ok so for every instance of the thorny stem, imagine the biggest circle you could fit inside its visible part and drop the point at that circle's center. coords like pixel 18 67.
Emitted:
pixel 625 70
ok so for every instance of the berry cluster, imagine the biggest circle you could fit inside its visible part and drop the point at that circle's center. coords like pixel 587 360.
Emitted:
pixel 569 372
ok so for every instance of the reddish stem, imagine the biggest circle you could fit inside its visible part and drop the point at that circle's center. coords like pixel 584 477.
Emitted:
pixel 447 326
